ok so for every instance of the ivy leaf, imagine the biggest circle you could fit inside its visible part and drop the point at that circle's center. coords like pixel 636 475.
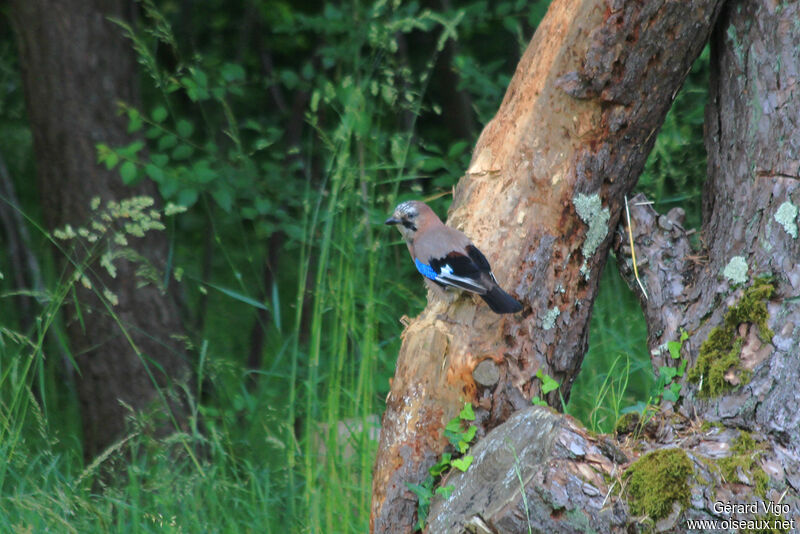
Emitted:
pixel 670 396
pixel 467 414
pixel 548 384
pixel 682 367
pixel 469 435
pixel 537 401
pixel 463 463
pixel 453 425
pixel 441 466
pixel 445 491
pixel 674 348
pixel 668 373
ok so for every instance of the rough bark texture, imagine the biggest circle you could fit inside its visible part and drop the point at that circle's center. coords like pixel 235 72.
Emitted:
pixel 551 459
pixel 544 472
pixel 545 186
pixel 76 66
pixel 752 139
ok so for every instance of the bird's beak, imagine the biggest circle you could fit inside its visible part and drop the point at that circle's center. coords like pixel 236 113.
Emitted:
pixel 392 220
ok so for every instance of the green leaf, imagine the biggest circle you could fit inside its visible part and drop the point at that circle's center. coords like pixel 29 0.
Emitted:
pixel 111 159
pixel 159 160
pixel 231 72
pixel 169 188
pixel 134 121
pixel 667 372
pixel 154 172
pixel 167 141
pixel 130 151
pixel 261 143
pixel 469 435
pixel 463 463
pixel 224 198
pixel 128 172
pixel 202 173
pixel 421 492
pixel 453 425
pixel 153 132
pixel 187 197
pixel 537 401
pixel 182 151
pixel 159 114
pixel 669 396
pixel 238 296
pixel 184 128
pixel 441 466
pixel 548 384
pixel 674 348
pixel 467 414
pixel 200 77
pixel 445 491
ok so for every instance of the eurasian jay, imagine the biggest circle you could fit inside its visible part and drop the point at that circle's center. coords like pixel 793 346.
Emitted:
pixel 447 258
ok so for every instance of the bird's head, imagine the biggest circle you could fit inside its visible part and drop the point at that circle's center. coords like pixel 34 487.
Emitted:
pixel 409 217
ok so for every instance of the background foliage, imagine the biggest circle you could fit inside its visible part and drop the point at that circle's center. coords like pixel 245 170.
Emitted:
pixel 289 130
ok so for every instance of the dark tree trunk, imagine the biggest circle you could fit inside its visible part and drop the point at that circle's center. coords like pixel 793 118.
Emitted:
pixel 76 67
pixel 544 190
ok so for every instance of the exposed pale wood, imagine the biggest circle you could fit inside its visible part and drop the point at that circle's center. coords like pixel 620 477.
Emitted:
pixel 579 117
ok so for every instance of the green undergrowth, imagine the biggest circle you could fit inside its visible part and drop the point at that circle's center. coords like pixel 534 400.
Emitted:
pixel 721 351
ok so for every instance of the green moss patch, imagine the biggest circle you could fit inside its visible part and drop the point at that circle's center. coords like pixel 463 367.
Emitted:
pixel 720 352
pixel 656 480
pixel 745 453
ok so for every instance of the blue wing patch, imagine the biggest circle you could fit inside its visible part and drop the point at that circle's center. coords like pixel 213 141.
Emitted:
pixel 425 270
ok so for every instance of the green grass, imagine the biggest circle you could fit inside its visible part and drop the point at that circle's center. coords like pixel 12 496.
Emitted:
pixel 616 371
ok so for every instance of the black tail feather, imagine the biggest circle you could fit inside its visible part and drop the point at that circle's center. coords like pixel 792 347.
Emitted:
pixel 501 302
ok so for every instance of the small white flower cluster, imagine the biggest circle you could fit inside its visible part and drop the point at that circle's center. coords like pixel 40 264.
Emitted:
pixel 116 221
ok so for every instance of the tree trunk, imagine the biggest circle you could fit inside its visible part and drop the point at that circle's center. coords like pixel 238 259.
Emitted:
pixel 545 186
pixel 76 66
pixel 732 437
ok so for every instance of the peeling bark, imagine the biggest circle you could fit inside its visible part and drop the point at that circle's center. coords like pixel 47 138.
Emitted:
pixel 575 127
